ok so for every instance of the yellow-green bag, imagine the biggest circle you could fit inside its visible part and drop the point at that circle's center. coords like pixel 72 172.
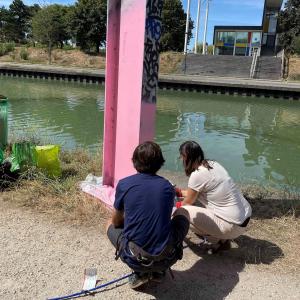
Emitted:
pixel 47 159
pixel 23 156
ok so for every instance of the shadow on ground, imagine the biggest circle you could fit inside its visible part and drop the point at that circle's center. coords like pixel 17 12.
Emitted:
pixel 214 276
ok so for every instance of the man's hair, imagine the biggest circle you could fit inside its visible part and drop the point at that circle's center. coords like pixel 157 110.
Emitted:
pixel 147 158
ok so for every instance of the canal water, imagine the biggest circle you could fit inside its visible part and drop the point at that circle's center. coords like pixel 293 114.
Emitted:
pixel 256 139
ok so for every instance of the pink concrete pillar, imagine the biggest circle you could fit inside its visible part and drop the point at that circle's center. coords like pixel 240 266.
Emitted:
pixel 132 61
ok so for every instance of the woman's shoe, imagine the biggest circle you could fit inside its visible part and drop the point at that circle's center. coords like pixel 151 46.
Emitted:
pixel 223 245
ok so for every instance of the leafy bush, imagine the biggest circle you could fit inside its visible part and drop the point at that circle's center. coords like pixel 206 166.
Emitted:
pixel 210 49
pixel 6 48
pixel 24 54
pixel 69 47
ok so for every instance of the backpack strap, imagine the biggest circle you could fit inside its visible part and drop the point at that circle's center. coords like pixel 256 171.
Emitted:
pixel 146 258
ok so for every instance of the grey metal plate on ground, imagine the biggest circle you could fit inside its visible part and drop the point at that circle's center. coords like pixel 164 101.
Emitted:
pixel 90 278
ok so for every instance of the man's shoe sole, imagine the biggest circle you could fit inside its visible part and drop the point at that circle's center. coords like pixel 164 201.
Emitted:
pixel 139 283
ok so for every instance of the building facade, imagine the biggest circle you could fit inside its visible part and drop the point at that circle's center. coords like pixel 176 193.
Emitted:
pixel 244 40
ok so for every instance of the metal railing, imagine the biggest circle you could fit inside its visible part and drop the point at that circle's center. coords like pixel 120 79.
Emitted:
pixel 254 63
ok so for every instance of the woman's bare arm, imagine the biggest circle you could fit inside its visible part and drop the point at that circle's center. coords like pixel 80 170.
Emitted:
pixel 190 196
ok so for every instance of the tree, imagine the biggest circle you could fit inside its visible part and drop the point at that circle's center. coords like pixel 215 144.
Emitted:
pixel 88 24
pixel 18 21
pixel 3 24
pixel 49 26
pixel 33 10
pixel 173 26
pixel 289 25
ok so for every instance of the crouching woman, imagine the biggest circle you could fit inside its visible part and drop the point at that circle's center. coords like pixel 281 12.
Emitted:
pixel 141 228
pixel 225 213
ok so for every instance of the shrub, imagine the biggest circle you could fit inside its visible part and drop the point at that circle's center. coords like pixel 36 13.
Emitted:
pixel 6 48
pixel 210 49
pixel 9 47
pixel 24 54
pixel 69 47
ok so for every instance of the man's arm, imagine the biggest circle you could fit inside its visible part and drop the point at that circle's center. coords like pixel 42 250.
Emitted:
pixel 117 218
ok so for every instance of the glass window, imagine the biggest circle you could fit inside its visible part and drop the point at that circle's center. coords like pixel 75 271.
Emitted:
pixel 225 50
pixel 239 51
pixel 226 37
pixel 229 38
pixel 256 38
pixel 242 37
pixel 272 24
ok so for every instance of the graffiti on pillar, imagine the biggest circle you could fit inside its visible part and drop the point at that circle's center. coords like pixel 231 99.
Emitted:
pixel 151 52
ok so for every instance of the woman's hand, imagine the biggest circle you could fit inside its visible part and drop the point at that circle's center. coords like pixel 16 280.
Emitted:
pixel 189 196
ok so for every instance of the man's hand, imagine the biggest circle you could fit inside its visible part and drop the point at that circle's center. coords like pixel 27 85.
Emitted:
pixel 180 193
pixel 117 218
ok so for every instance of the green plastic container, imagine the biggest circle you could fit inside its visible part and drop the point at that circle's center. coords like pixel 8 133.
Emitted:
pixel 3 122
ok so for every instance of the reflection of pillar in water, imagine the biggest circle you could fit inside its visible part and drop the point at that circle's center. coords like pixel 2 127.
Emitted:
pixel 133 33
pixel 3 122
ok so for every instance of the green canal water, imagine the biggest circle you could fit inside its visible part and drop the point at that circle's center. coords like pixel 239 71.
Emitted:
pixel 256 139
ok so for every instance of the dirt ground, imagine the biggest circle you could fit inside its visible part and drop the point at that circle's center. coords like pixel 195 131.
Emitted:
pixel 294 68
pixel 45 257
pixel 169 61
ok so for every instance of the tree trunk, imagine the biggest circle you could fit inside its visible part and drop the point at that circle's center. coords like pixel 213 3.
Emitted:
pixel 98 48
pixel 49 52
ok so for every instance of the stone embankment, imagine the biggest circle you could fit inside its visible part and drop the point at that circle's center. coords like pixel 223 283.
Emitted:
pixel 206 84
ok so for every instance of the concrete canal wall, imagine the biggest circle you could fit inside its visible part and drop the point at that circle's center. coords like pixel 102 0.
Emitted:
pixel 206 84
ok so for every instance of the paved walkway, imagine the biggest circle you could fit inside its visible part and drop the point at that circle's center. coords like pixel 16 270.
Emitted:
pixel 41 258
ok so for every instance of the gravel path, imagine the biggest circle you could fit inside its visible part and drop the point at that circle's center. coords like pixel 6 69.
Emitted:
pixel 41 258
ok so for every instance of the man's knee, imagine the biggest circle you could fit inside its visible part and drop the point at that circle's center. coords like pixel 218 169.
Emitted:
pixel 114 235
pixel 182 212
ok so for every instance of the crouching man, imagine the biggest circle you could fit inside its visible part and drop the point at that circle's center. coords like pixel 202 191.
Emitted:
pixel 141 228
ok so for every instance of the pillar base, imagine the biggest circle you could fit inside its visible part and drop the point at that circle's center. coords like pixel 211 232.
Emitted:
pixel 105 193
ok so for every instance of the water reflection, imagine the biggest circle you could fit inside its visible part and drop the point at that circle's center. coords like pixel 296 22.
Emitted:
pixel 254 138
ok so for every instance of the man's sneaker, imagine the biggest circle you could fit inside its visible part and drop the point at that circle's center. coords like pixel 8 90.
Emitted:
pixel 158 276
pixel 136 280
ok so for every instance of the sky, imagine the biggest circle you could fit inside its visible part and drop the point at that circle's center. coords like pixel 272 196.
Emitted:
pixel 221 12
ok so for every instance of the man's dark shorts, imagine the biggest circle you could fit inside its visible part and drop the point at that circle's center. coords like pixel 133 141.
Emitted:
pixel 179 229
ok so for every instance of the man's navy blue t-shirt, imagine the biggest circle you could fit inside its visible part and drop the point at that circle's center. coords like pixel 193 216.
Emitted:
pixel 147 201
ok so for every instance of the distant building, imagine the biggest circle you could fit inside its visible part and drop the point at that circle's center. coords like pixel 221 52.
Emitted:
pixel 243 40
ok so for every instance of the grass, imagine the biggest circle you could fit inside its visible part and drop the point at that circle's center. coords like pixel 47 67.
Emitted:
pixel 60 198
pixel 169 61
pixel 294 68
pixel 6 48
